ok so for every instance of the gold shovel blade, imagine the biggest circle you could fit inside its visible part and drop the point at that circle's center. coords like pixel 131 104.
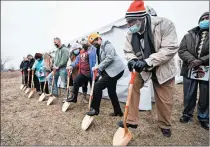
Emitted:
pixel 27 90
pixel 87 120
pixel 50 100
pixel 65 106
pixel 21 86
pixel 31 93
pixel 41 98
pixel 120 138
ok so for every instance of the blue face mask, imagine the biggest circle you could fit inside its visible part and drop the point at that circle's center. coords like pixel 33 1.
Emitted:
pixel 204 24
pixel 76 52
pixel 134 28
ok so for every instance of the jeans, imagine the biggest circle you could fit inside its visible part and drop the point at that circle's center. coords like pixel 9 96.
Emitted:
pixel 62 72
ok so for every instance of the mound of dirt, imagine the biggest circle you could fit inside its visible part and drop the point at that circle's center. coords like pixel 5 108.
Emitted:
pixel 29 122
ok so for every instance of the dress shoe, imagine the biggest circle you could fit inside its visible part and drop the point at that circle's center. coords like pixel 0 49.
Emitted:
pixel 92 112
pixel 204 125
pixel 71 99
pixel 166 132
pixel 116 114
pixel 185 119
pixel 120 124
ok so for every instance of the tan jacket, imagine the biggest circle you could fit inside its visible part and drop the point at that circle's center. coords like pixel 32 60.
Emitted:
pixel 166 46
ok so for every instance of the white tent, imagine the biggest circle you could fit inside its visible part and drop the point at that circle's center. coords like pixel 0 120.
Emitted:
pixel 116 33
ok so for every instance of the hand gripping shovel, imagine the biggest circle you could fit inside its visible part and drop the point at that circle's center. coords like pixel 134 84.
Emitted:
pixel 52 97
pixel 28 88
pixel 67 104
pixel 123 135
pixel 87 120
pixel 33 90
pixel 41 98
pixel 23 81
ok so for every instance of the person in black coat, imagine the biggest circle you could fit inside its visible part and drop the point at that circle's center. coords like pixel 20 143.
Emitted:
pixel 194 51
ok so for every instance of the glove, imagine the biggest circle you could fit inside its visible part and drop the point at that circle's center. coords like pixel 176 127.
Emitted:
pixel 131 64
pixel 29 69
pixel 195 63
pixel 140 65
pixel 95 68
pixel 55 67
pixel 69 67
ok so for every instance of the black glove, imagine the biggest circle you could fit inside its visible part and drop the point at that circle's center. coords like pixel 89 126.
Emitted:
pixel 140 65
pixel 131 64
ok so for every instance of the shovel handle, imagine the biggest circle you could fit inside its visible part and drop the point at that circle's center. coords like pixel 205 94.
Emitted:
pixel 133 75
pixel 91 92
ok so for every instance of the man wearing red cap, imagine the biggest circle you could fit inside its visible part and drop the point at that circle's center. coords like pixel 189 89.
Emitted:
pixel 151 44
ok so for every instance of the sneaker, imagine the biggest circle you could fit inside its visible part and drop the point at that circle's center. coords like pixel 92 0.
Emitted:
pixel 204 125
pixel 166 132
pixel 185 119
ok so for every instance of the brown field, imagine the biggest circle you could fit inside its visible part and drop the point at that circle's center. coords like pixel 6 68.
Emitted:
pixel 29 122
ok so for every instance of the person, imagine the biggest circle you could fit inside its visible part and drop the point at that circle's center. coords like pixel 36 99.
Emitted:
pixel 150 47
pixel 35 79
pixel 86 61
pixel 60 62
pixel 111 67
pixel 40 69
pixel 24 67
pixel 21 69
pixel 194 51
pixel 75 51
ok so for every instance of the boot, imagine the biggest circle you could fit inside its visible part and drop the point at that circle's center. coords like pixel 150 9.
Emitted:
pixel 70 93
pixel 84 100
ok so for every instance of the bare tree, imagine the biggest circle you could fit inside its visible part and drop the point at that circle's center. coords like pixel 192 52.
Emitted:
pixel 4 61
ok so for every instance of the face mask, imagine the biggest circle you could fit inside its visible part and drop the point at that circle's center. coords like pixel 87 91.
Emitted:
pixel 76 52
pixel 204 24
pixel 96 45
pixel 134 28
pixel 56 45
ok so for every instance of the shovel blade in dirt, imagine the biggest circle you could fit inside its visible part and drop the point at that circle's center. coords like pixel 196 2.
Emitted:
pixel 31 93
pixel 41 98
pixel 50 100
pixel 27 90
pixel 86 122
pixel 21 86
pixel 121 138
pixel 65 106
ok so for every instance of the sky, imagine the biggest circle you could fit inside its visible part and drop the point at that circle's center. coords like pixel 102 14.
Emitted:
pixel 28 27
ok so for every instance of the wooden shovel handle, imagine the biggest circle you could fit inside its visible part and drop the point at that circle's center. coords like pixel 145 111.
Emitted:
pixel 91 92
pixel 133 75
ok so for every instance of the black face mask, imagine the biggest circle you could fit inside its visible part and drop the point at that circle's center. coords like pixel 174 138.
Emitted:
pixel 85 46
pixel 56 45
pixel 96 45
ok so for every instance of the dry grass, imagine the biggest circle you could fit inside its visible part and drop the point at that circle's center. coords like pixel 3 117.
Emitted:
pixel 9 75
pixel 29 122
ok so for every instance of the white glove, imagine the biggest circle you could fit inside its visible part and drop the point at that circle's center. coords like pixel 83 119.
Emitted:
pixel 95 68
pixel 55 67
pixel 29 69
pixel 69 67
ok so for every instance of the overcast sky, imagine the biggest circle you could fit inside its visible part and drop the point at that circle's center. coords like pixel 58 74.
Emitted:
pixel 30 26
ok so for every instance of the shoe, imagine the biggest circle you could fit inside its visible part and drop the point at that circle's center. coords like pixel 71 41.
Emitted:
pixel 116 114
pixel 92 112
pixel 204 125
pixel 71 99
pixel 166 132
pixel 64 100
pixel 120 124
pixel 185 119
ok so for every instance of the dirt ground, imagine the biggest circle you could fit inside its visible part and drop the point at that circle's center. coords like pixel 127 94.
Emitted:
pixel 29 122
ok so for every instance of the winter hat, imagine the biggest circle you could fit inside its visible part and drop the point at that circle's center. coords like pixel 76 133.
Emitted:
pixel 136 10
pixel 38 55
pixel 204 14
pixel 75 46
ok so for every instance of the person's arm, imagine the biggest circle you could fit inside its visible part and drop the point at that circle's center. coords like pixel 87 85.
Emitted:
pixel 205 59
pixel 34 65
pixel 183 52
pixel 168 46
pixel 75 63
pixel 21 65
pixel 109 52
pixel 128 51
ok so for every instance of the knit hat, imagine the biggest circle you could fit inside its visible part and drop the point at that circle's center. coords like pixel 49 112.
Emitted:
pixel 204 14
pixel 75 46
pixel 136 10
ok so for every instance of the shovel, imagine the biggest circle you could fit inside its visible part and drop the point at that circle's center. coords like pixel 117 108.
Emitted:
pixel 28 89
pixel 33 90
pixel 67 104
pixel 87 120
pixel 23 81
pixel 123 135
pixel 52 97
pixel 41 98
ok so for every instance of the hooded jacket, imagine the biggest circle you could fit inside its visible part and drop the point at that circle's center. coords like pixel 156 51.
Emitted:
pixel 188 48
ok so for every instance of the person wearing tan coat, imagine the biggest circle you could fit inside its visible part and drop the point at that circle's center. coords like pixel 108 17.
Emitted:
pixel 150 47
